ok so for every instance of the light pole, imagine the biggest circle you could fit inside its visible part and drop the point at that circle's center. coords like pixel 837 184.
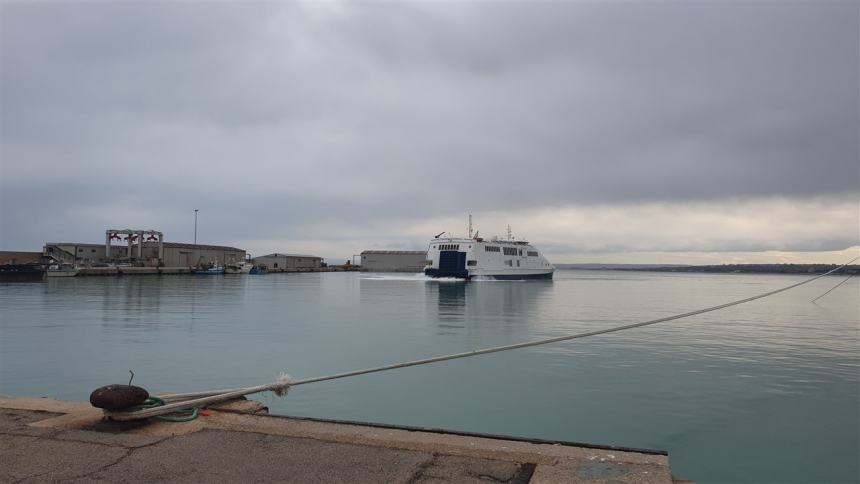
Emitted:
pixel 195 226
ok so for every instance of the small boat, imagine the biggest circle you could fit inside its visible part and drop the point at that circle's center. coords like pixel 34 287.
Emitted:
pixel 62 270
pixel 259 270
pixel 208 271
pixel 238 268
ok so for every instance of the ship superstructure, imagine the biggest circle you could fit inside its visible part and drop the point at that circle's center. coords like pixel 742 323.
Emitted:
pixel 471 257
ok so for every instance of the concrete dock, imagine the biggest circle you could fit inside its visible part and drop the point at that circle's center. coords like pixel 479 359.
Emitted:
pixel 47 440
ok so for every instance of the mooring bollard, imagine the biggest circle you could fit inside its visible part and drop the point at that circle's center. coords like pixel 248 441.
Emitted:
pixel 118 397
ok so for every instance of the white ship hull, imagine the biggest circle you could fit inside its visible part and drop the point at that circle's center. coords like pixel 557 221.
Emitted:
pixel 62 272
pixel 243 268
pixel 468 258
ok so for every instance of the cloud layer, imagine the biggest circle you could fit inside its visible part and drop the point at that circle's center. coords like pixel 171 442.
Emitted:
pixel 276 118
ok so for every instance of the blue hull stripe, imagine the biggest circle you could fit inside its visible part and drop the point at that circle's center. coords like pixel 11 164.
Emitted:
pixel 503 277
pixel 520 277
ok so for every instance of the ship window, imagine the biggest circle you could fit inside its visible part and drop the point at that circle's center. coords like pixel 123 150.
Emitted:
pixel 509 263
pixel 532 253
pixel 518 263
pixel 509 250
pixel 471 263
pixel 491 248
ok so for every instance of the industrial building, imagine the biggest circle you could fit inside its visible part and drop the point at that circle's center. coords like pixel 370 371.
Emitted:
pixel 187 255
pixel 393 260
pixel 173 254
pixel 18 257
pixel 289 262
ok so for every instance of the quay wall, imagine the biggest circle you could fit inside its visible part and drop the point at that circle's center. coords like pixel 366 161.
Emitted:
pixel 139 271
pixel 131 271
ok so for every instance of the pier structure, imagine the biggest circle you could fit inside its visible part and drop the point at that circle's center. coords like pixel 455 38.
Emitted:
pixel 47 440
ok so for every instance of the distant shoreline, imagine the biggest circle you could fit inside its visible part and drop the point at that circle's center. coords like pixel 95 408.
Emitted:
pixel 718 269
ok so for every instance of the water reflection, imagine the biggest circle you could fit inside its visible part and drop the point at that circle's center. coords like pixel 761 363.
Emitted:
pixel 717 384
pixel 479 305
pixel 450 304
pixel 131 302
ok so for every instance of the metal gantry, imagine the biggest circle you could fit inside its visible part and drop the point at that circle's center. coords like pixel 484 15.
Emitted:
pixel 133 236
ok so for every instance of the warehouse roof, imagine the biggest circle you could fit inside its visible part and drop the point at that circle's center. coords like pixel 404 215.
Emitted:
pixel 18 257
pixel 399 252
pixel 175 245
pixel 277 254
pixel 182 245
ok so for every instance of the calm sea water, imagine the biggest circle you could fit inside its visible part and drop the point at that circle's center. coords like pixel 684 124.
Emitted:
pixel 764 392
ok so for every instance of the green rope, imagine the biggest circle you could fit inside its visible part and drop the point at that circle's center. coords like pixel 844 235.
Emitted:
pixel 181 415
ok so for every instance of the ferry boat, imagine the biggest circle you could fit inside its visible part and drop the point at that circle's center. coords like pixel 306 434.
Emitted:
pixel 470 257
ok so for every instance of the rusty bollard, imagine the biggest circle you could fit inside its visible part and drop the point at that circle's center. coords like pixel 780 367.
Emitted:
pixel 118 397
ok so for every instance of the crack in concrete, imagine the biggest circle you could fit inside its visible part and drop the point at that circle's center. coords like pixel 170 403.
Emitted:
pixel 128 452
pixel 419 472
pixel 34 476
pixel 53 436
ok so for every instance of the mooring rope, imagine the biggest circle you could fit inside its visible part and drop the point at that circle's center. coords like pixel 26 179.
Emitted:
pixel 198 399
pixel 834 287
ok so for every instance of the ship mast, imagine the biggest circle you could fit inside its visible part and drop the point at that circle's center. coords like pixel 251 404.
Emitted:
pixel 470 225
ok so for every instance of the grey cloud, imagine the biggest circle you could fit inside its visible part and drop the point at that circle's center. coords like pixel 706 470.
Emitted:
pixel 293 112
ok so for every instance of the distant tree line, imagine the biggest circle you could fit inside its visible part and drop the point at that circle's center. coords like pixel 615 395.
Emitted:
pixel 757 268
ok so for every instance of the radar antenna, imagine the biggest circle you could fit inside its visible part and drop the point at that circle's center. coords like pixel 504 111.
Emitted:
pixel 438 235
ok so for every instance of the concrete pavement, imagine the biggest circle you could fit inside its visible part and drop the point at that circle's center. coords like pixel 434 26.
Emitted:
pixel 46 440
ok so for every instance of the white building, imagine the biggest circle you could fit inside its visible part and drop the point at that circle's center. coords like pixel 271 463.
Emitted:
pixel 289 262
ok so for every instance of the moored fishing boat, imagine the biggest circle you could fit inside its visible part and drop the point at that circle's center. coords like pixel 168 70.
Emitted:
pixel 62 270
pixel 259 270
pixel 212 270
pixel 238 268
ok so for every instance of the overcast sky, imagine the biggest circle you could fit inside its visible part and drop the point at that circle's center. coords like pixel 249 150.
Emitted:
pixel 602 131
